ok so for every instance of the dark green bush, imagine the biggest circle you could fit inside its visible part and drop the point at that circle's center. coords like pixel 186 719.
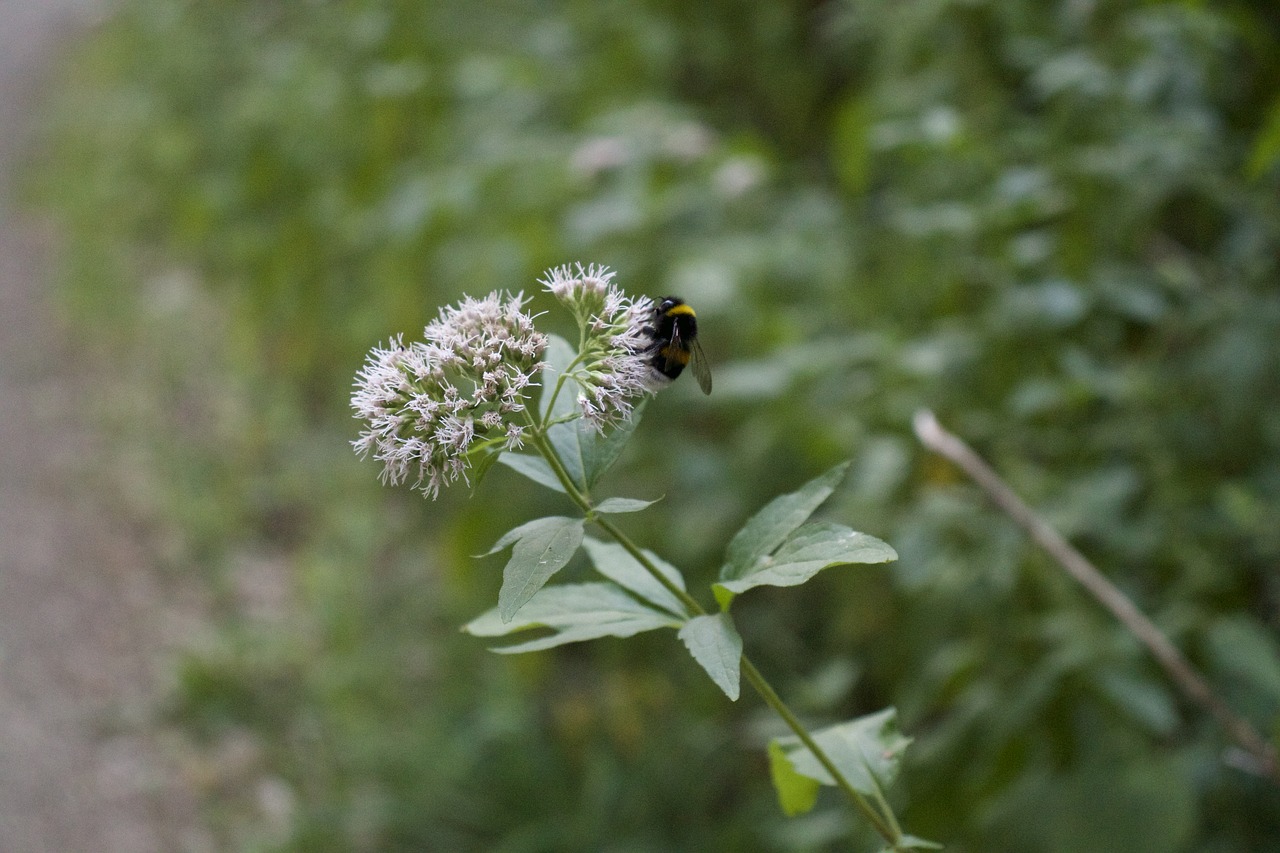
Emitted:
pixel 1057 225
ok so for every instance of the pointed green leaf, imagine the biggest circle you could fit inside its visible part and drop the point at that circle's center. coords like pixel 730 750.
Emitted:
pixel 566 441
pixel 575 612
pixel 724 597
pixel 796 794
pixel 716 646
pixel 616 505
pixel 600 452
pixel 769 527
pixel 617 565
pixel 512 535
pixel 1266 145
pixel 480 467
pixel 809 550
pixel 533 467
pixel 585 454
pixel 867 752
pixel 542 549
pixel 556 358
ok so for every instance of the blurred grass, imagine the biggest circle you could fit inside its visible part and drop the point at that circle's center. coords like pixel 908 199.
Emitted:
pixel 1056 225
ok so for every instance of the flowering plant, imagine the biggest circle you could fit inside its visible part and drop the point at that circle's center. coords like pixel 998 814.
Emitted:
pixel 450 406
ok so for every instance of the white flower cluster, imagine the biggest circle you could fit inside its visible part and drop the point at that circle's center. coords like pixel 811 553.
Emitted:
pixel 427 404
pixel 612 370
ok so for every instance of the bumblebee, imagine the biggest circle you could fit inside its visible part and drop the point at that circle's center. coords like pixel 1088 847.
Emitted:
pixel 675 344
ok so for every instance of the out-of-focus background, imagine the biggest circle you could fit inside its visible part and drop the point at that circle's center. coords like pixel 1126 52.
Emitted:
pixel 1055 223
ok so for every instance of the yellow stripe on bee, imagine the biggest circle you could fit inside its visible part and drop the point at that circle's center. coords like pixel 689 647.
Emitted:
pixel 674 354
pixel 680 309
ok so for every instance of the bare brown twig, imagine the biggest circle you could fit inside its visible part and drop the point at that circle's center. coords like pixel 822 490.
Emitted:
pixel 1261 755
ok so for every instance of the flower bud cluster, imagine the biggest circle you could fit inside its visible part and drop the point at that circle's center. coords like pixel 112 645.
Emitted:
pixel 428 404
pixel 611 371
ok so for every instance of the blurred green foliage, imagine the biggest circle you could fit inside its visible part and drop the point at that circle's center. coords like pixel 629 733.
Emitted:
pixel 1056 224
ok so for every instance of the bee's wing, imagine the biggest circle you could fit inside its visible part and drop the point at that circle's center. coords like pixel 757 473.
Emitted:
pixel 700 370
pixel 675 345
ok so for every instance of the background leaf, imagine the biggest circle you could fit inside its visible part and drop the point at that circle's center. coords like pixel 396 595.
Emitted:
pixel 797 794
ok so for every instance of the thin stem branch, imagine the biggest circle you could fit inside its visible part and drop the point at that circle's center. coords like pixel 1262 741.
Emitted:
pixel 886 827
pixel 1175 664
pixel 564 374
pixel 482 446
pixel 887 810
pixel 774 701
pixel 639 556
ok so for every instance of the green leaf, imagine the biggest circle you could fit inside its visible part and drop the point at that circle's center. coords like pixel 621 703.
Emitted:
pixel 806 552
pixel 616 505
pixel 867 752
pixel 557 357
pixel 585 454
pixel 533 467
pixel 716 646
pixel 600 452
pixel 1247 653
pixel 617 565
pixel 1107 801
pixel 575 612
pixel 542 548
pixel 1147 701
pixel 1266 146
pixel 512 535
pixel 851 143
pixel 796 794
pixel 564 437
pixel 912 842
pixel 567 441
pixel 769 527
pixel 482 466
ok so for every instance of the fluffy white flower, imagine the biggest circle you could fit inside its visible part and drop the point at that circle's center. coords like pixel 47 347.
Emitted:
pixel 428 404
pixel 612 371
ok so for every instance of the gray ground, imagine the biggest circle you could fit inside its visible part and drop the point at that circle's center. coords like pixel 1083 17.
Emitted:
pixel 85 619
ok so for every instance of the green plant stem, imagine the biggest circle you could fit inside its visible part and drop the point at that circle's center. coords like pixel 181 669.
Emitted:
pixel 887 811
pixel 774 701
pixel 886 827
pixel 887 824
pixel 539 439
pixel 639 556
pixel 564 374
pixel 488 444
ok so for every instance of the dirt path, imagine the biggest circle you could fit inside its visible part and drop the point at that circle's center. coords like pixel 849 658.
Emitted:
pixel 83 614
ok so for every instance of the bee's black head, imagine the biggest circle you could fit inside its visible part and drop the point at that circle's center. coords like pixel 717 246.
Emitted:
pixel 669 302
